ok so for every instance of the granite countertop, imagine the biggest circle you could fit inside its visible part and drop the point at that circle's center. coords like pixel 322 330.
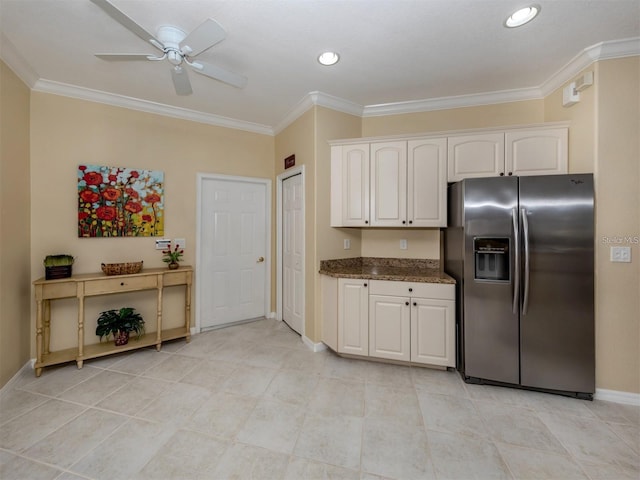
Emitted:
pixel 396 269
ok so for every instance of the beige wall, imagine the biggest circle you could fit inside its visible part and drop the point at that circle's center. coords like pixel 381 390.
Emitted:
pixel 15 294
pixel 617 170
pixel 67 132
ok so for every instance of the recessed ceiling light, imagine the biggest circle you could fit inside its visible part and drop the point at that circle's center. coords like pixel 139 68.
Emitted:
pixel 522 16
pixel 328 58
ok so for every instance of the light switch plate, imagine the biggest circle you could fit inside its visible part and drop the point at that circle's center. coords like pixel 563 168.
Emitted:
pixel 403 244
pixel 162 243
pixel 180 243
pixel 347 244
pixel 621 254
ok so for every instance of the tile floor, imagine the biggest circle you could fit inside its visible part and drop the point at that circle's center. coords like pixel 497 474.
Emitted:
pixel 252 402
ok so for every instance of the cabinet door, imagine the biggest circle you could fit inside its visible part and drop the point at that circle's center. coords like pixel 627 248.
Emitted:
pixel 479 155
pixel 433 332
pixel 350 185
pixel 536 152
pixel 427 182
pixel 329 295
pixel 353 317
pixel 389 184
pixel 389 327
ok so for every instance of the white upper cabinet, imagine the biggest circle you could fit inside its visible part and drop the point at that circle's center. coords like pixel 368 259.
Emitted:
pixel 350 185
pixel 480 155
pixel 388 184
pixel 536 152
pixel 403 184
pixel 526 151
pixel 427 182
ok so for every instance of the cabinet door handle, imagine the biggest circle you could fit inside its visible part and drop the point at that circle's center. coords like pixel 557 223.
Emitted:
pixel 122 284
pixel 406 303
pixel 502 174
pixel 410 222
pixel 510 173
pixel 404 222
pixel 366 221
pixel 415 304
pixel 365 284
pixel 411 289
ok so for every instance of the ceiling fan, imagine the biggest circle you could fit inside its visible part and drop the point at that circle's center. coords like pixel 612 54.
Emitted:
pixel 176 47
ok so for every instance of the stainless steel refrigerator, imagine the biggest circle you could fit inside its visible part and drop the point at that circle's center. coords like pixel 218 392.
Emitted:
pixel 522 252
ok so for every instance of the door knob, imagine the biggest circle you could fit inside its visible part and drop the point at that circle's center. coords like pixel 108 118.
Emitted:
pixel 261 259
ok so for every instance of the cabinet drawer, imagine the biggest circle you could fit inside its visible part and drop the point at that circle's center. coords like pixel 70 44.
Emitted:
pixel 176 278
pixel 57 290
pixel 442 291
pixel 122 284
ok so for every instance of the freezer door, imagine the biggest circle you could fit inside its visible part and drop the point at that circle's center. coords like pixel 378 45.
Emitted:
pixel 490 323
pixel 557 318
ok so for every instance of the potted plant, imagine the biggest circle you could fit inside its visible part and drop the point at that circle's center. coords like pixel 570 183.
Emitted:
pixel 172 257
pixel 120 323
pixel 57 266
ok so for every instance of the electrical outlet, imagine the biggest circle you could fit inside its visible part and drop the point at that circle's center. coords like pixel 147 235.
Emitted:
pixel 621 254
pixel 347 244
pixel 403 244
pixel 162 243
pixel 180 243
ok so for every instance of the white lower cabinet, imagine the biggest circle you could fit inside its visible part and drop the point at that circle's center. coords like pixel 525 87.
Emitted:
pixel 402 321
pixel 389 327
pixel 353 316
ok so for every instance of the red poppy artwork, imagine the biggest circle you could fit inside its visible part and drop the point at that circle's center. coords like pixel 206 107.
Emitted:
pixel 120 202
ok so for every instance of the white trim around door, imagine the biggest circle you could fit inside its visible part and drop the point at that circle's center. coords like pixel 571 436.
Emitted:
pixel 200 181
pixel 299 170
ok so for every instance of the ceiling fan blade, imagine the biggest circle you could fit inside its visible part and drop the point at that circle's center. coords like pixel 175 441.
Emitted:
pixel 110 57
pixel 220 74
pixel 127 22
pixel 181 81
pixel 205 36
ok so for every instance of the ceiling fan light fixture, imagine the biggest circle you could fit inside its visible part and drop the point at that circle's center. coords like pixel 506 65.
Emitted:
pixel 522 16
pixel 328 58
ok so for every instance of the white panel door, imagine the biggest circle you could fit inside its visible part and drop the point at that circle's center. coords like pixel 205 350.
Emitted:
pixel 292 252
pixel 433 332
pixel 427 182
pixel 389 327
pixel 389 184
pixel 233 250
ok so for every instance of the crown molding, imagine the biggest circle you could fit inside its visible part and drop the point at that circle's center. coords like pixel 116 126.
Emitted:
pixel 626 47
pixel 9 55
pixel 320 99
pixel 66 90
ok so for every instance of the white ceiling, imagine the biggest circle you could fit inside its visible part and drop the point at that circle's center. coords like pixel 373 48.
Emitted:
pixel 391 50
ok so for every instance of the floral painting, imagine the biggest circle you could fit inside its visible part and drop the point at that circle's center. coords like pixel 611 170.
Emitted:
pixel 120 202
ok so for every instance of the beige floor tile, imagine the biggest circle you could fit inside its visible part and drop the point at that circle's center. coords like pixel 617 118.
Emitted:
pixel 134 396
pixel 630 434
pixel 615 412
pixel 245 462
pixel 333 440
pixel 173 368
pixel 186 455
pixel 210 375
pixel 20 433
pixel 334 397
pixel 14 467
pixel 390 375
pixel 303 361
pixel 139 362
pixel 222 415
pixel 125 452
pixel 501 395
pixel 55 380
pixel 396 451
pixel 450 414
pixel 97 387
pixel 393 404
pixel 175 404
pixel 518 426
pixel 232 351
pixel 16 402
pixel 591 441
pixel 610 472
pixel 301 468
pixel 543 402
pixel 461 457
pixel 249 381
pixel 345 368
pixel 291 387
pixel 72 441
pixel 267 356
pixel 529 464
pixel 430 380
pixel 273 425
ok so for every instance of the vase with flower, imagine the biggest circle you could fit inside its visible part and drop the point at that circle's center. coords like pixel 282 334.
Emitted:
pixel 172 256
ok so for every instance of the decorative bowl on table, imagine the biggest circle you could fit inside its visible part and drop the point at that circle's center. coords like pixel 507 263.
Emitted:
pixel 121 268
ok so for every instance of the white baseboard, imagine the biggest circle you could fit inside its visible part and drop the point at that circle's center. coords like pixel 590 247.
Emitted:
pixel 27 366
pixel 315 347
pixel 616 396
pixel 271 315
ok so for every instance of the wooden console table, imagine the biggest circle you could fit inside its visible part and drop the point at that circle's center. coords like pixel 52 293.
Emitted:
pixel 93 284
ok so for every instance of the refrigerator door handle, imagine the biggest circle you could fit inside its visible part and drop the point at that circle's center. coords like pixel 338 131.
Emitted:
pixel 516 268
pixel 525 233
